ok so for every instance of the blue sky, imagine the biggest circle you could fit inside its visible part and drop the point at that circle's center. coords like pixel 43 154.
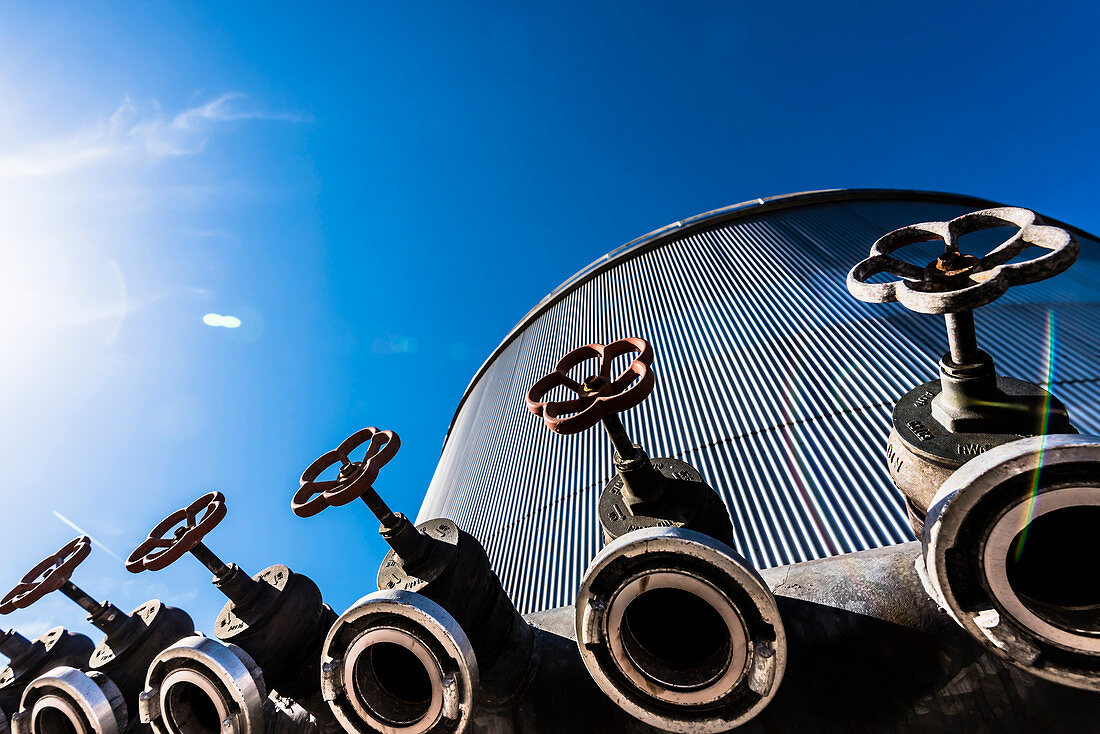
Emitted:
pixel 380 191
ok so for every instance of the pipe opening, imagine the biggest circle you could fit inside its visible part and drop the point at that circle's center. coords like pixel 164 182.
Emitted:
pixel 676 639
pixel 190 710
pixel 679 631
pixel 1048 565
pixel 394 683
pixel 50 720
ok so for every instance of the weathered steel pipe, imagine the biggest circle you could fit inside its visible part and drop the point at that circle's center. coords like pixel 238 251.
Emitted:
pixel 868 651
pixel 456 574
pixel 277 616
pixel 680 631
pixel 131 640
pixel 445 566
pixel 280 618
pixel 125 657
pixel 31 659
pixel 1010 552
pixel 397 662
pixel 68 701
pixel 202 686
pixel 116 667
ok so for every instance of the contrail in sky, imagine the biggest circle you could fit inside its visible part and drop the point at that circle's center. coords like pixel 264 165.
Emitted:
pixel 77 528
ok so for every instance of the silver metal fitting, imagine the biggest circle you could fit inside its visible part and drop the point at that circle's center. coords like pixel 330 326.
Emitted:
pixel 680 631
pixel 398 663
pixel 66 700
pixel 1010 553
pixel 200 685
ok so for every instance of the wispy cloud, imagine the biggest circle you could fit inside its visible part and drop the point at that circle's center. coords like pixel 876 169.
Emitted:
pixel 390 343
pixel 36 627
pixel 134 133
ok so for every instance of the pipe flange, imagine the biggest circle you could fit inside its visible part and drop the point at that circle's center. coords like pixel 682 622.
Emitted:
pixel 398 663
pixel 89 703
pixel 1005 547
pixel 643 587
pixel 203 683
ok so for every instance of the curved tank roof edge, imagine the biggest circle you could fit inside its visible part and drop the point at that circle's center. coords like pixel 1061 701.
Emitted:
pixel 751 207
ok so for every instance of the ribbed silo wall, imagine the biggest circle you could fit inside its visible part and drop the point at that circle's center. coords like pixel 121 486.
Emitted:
pixel 772 381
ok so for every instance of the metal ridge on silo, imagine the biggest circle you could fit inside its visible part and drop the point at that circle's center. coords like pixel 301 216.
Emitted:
pixel 752 207
pixel 772 381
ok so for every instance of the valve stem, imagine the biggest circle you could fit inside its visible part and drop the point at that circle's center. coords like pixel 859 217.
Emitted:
pixel 230 579
pixel 962 338
pixel 86 602
pixel 380 509
pixel 410 545
pixel 207 558
pixel 621 442
pixel 624 447
pixel 111 620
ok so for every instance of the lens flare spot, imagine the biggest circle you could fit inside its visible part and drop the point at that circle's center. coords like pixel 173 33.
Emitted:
pixel 1049 383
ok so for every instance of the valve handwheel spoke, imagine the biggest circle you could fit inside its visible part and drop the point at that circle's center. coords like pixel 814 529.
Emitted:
pixel 356 478
pixel 53 574
pixel 181 532
pixel 956 281
pixel 356 481
pixel 600 400
pixel 598 396
pixel 50 574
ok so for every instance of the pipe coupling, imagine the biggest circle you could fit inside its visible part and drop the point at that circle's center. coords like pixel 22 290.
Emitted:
pixel 67 700
pixel 203 686
pixel 1010 552
pixel 398 663
pixel 680 631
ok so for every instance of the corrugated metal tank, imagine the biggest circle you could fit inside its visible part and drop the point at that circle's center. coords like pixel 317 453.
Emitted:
pixel 772 381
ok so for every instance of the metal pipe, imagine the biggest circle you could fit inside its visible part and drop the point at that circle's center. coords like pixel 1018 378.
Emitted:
pixel 29 659
pixel 15 646
pixel 398 662
pixel 202 686
pixel 869 652
pixel 68 701
pixel 680 631
pixel 279 618
pixel 1009 551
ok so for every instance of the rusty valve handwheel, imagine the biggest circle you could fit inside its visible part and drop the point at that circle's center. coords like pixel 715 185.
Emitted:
pixel 164 545
pixel 47 576
pixel 599 395
pixel 957 281
pixel 356 477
